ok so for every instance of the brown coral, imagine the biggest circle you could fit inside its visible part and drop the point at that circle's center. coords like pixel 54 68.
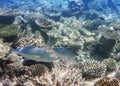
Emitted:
pixel 23 41
pixel 37 69
pixel 106 81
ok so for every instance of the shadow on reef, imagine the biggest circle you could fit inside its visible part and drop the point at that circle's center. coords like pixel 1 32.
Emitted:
pixel 7 19
pixel 31 62
pixel 35 27
pixel 10 38
pixel 104 48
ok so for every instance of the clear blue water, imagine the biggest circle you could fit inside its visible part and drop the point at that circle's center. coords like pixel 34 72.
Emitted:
pixel 65 8
pixel 15 4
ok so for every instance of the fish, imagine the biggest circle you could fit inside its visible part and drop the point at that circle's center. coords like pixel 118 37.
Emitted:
pixel 65 54
pixel 30 52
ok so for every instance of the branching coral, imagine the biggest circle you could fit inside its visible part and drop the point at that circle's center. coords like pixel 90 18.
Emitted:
pixel 23 41
pixel 106 81
pixel 37 69
pixel 92 69
pixel 62 76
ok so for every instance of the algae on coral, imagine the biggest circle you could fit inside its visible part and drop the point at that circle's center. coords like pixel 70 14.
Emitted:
pixel 8 30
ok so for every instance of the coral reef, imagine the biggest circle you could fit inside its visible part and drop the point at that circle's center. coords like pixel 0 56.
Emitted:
pixel 117 72
pixel 44 23
pixel 15 59
pixel 110 64
pixel 37 69
pixel 65 34
pixel 9 30
pixel 93 24
pixel 3 49
pixel 61 75
pixel 92 69
pixel 59 42
pixel 105 43
pixel 23 41
pixel 106 81
pixel 115 25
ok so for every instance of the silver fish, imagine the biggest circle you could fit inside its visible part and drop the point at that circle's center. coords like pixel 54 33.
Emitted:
pixel 30 52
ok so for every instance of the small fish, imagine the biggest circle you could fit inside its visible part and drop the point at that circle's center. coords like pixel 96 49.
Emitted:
pixel 30 52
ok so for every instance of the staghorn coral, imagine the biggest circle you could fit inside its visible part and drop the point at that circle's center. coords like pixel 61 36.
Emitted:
pixel 62 76
pixel 106 81
pixel 92 69
pixel 37 69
